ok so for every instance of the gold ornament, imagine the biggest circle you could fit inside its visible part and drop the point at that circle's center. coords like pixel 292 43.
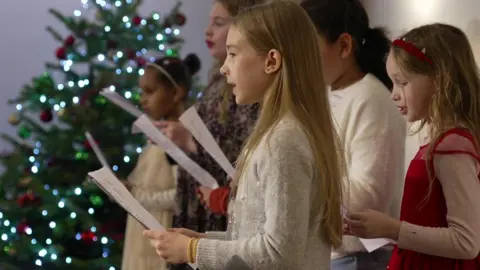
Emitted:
pixel 13 119
pixel 62 112
pixel 25 181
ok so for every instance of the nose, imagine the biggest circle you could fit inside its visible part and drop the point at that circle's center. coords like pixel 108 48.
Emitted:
pixel 143 100
pixel 224 69
pixel 208 30
pixel 395 96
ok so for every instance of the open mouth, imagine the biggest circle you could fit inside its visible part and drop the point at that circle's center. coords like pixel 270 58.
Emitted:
pixel 209 44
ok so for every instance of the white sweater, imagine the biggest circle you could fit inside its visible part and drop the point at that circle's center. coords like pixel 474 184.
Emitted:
pixel 372 132
pixel 275 223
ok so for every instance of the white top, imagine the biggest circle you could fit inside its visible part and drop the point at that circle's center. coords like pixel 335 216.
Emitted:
pixel 272 225
pixel 372 132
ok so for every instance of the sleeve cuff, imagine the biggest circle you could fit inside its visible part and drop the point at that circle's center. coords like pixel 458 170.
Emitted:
pixel 219 200
pixel 406 235
pixel 207 253
pixel 217 235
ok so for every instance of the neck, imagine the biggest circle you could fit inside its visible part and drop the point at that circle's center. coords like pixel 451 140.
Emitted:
pixel 348 78
pixel 175 113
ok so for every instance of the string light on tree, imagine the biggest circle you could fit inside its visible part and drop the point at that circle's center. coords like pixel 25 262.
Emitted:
pixel 51 116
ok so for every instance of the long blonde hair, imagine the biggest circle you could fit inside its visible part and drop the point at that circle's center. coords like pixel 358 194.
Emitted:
pixel 456 99
pixel 233 7
pixel 298 89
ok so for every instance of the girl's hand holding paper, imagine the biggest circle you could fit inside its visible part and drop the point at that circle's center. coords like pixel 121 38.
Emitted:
pixel 171 246
pixel 178 134
pixel 372 224
pixel 187 232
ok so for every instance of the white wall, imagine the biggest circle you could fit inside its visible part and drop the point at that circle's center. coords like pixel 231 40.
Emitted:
pixel 26 46
pixel 399 16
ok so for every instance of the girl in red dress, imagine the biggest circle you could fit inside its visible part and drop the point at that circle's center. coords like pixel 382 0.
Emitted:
pixel 436 81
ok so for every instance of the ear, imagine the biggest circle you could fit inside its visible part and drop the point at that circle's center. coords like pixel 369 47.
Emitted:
pixel 345 41
pixel 179 95
pixel 273 62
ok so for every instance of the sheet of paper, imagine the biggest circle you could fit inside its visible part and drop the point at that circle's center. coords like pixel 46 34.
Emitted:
pixel 192 121
pixel 374 244
pixel 197 172
pixel 120 101
pixel 107 181
pixel 370 244
pixel 97 150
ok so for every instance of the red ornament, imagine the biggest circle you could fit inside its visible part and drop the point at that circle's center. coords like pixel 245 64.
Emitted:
pixel 46 116
pixel 87 96
pixel 22 227
pixel 180 19
pixel 27 199
pixel 130 54
pixel 137 20
pixel 61 53
pixel 88 237
pixel 69 41
pixel 141 61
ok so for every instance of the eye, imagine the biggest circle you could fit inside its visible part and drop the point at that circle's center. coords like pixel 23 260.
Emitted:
pixel 231 54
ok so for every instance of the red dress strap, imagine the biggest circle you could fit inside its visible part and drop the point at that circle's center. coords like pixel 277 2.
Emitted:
pixel 456 141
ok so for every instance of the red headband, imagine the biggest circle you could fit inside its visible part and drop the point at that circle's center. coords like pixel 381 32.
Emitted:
pixel 412 50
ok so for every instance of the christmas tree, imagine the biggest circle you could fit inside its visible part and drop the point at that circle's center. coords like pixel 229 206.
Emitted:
pixel 51 217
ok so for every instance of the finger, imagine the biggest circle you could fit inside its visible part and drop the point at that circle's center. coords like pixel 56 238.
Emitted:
pixel 161 254
pixel 156 235
pixel 355 216
pixel 355 224
pixel 200 194
pixel 162 124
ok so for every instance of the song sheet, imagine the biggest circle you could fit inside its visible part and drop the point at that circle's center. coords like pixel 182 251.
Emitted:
pixel 192 121
pixel 198 173
pixel 106 180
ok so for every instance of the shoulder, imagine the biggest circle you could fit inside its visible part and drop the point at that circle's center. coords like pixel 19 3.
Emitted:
pixel 371 91
pixel 286 140
pixel 456 141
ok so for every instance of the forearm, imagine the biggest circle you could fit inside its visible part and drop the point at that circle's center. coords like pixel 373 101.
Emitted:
pixel 443 242
pixel 160 199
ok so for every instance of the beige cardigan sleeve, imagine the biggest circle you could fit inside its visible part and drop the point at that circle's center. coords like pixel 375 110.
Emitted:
pixel 458 175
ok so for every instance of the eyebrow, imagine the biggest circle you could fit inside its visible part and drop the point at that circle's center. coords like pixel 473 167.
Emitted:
pixel 219 18
pixel 231 46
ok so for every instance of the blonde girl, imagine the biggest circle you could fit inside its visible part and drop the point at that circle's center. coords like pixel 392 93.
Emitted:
pixel 436 81
pixel 287 210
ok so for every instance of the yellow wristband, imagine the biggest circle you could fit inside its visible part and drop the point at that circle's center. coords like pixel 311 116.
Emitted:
pixel 194 250
pixel 189 250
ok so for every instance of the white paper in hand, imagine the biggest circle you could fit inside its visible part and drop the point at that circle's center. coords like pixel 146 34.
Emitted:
pixel 107 181
pixel 197 172
pixel 192 121
pixel 97 150
pixel 370 244
pixel 120 101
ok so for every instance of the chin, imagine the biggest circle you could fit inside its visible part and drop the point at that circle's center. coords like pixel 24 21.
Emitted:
pixel 239 100
pixel 412 118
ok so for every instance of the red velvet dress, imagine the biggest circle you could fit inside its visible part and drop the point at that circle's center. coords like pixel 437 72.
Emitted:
pixel 434 210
